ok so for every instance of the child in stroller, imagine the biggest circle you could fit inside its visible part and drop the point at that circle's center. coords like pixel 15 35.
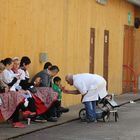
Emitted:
pixel 104 107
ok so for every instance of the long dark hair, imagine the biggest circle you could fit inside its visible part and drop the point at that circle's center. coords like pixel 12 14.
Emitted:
pixel 25 60
pixel 7 61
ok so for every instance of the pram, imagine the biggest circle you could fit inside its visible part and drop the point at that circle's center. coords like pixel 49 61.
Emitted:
pixel 104 108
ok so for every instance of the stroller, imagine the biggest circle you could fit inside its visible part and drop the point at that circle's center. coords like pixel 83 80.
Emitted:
pixel 104 108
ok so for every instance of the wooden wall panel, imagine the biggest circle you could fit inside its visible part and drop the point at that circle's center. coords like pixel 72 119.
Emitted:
pixel 62 29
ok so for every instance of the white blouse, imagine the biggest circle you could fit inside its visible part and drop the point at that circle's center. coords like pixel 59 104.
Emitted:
pixel 8 76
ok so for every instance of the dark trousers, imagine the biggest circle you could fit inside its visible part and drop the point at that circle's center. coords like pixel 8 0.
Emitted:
pixel 31 107
pixel 15 116
pixel 58 105
pixel 51 112
pixel 55 110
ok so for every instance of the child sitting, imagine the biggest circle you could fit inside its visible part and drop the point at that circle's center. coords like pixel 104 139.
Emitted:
pixel 57 87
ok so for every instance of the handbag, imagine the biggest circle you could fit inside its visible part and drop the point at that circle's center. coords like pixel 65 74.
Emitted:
pixel 32 89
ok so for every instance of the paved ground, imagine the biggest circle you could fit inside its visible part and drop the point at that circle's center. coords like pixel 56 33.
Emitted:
pixel 127 125
pixel 127 128
pixel 6 130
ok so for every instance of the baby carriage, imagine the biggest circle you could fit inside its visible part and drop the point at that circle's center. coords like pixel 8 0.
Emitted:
pixel 104 108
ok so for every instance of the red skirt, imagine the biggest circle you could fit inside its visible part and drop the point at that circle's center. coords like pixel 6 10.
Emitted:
pixel 1 117
pixel 44 98
pixel 40 106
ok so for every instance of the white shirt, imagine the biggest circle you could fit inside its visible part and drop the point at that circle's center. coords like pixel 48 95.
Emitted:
pixel 24 74
pixel 9 75
pixel 92 86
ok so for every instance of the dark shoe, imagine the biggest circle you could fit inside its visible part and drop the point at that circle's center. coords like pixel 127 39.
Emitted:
pixel 52 119
pixel 64 110
pixel 91 120
pixel 40 119
pixel 59 114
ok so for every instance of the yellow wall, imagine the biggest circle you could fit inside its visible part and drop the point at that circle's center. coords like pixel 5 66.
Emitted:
pixel 62 29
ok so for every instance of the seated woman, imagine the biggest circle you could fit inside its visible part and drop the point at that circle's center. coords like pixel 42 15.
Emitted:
pixel 23 84
pixel 10 102
pixel 29 101
pixel 43 98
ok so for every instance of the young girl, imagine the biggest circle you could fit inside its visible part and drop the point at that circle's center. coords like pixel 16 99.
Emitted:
pixel 24 66
pixel 26 85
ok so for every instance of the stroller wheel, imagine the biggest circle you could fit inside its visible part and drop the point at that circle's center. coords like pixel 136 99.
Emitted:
pixel 82 114
pixel 106 117
pixel 116 116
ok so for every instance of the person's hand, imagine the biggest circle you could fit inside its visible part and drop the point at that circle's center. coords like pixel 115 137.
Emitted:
pixel 18 77
pixel 37 81
pixel 6 89
pixel 62 87
pixel 65 90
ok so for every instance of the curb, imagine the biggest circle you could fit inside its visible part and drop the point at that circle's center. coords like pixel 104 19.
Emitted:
pixel 128 102
pixel 46 127
pixel 61 123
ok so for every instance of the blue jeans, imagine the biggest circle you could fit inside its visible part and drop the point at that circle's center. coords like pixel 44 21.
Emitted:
pixel 90 110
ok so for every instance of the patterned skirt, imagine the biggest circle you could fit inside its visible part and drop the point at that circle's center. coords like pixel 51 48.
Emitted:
pixel 9 102
pixel 44 98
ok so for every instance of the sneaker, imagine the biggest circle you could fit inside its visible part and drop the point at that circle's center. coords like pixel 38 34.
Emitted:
pixel 19 125
pixel 52 119
pixel 28 113
pixel 40 119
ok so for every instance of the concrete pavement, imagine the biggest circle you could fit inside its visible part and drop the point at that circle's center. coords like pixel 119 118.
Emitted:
pixel 127 128
pixel 7 132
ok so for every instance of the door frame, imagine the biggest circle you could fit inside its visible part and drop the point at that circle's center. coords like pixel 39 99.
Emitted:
pixel 128 57
pixel 92 50
pixel 106 55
